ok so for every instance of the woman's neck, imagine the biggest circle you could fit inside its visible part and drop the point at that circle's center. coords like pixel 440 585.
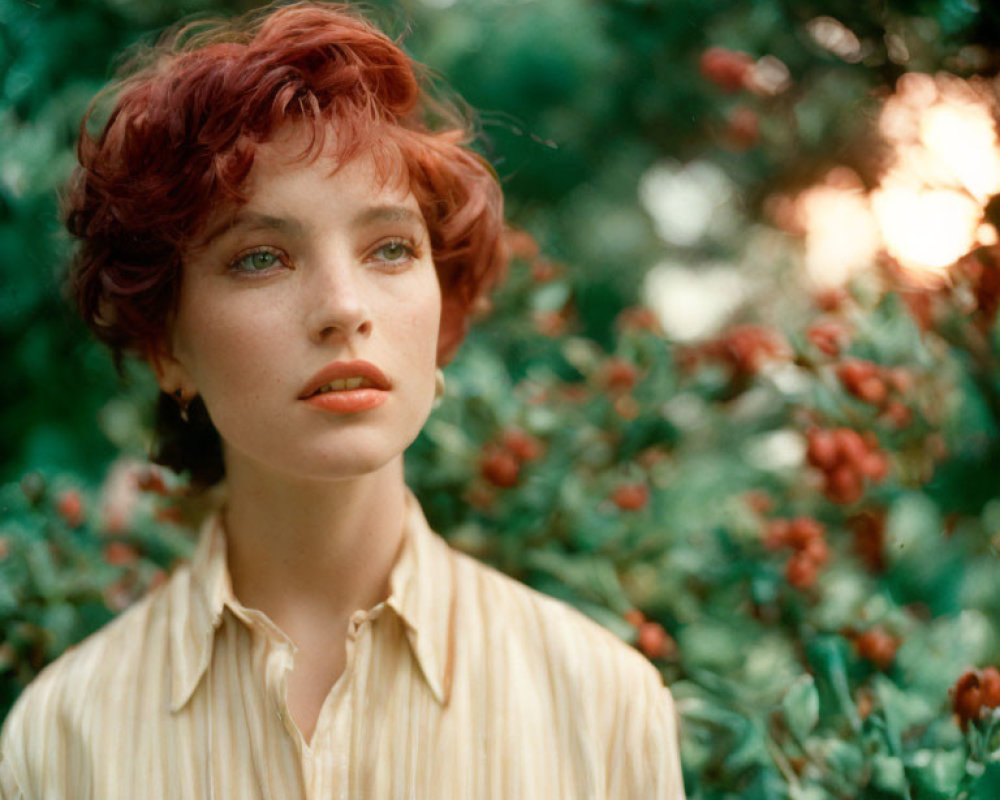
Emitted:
pixel 301 549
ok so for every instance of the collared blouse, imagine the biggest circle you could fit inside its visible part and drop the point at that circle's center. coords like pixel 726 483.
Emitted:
pixel 463 683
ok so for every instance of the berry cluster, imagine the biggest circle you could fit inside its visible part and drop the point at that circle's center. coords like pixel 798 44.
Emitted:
pixel 829 336
pixel 846 458
pixel 745 349
pixel 502 461
pixel 882 387
pixel 807 538
pixel 974 692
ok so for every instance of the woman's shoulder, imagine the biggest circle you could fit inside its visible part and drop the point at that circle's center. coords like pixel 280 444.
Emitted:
pixel 96 671
pixel 550 628
pixel 555 655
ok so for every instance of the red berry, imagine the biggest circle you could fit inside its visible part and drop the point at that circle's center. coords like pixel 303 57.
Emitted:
pixel 639 318
pixel 801 571
pixel 843 485
pixel 897 414
pixel 851 446
pixel 500 468
pixel 523 446
pixel 877 646
pixel 618 375
pixel 875 466
pixel 967 699
pixel 830 299
pixel 550 323
pixel 822 448
pixel 748 347
pixel 990 682
pixel 119 554
pixel 742 128
pixel 901 379
pixel 630 496
pixel 817 551
pixel 776 534
pixel 654 641
pixel 728 69
pixel 803 530
pixel 872 391
pixel 70 507
pixel 635 617
pixel 828 337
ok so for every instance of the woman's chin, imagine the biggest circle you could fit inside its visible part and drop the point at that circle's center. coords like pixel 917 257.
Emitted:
pixel 316 463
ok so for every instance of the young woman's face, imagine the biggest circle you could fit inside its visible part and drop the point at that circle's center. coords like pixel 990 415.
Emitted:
pixel 319 266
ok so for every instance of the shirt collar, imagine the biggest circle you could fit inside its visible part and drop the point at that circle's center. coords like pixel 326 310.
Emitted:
pixel 421 592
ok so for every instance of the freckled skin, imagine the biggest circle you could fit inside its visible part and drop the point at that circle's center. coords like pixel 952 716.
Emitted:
pixel 251 329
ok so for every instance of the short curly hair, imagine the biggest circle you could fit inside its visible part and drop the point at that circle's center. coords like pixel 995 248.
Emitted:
pixel 181 137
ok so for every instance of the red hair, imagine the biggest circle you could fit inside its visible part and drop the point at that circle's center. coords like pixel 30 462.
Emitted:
pixel 181 138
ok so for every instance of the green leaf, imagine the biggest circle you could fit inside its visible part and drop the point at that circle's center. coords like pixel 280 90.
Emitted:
pixel 987 785
pixel 800 706
pixel 937 774
pixel 827 655
pixel 889 775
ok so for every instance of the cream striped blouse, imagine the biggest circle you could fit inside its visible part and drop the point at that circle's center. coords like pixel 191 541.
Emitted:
pixel 463 683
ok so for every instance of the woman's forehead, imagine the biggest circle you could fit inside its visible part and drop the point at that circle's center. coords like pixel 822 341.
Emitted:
pixel 287 178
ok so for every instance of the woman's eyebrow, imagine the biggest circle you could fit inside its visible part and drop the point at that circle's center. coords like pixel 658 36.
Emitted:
pixel 388 213
pixel 251 220
pixel 254 220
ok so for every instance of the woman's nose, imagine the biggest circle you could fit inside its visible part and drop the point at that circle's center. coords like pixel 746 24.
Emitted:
pixel 336 300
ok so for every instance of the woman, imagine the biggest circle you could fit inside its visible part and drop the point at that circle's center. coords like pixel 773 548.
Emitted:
pixel 268 221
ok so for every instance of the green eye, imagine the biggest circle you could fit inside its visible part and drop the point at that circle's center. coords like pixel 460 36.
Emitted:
pixel 394 251
pixel 261 260
pixel 258 261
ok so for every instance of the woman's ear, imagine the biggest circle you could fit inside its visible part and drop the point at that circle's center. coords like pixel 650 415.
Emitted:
pixel 169 372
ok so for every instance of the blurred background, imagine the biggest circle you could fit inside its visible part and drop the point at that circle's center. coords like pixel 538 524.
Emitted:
pixel 738 400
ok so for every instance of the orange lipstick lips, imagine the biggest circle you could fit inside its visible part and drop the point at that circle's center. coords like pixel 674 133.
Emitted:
pixel 347 387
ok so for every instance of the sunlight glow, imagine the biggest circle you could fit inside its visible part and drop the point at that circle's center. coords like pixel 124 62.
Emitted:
pixel 927 210
pixel 841 234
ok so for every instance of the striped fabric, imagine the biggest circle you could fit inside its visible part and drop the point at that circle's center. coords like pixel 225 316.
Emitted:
pixel 463 683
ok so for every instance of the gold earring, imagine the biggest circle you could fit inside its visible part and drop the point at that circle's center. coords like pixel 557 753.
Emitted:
pixel 183 403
